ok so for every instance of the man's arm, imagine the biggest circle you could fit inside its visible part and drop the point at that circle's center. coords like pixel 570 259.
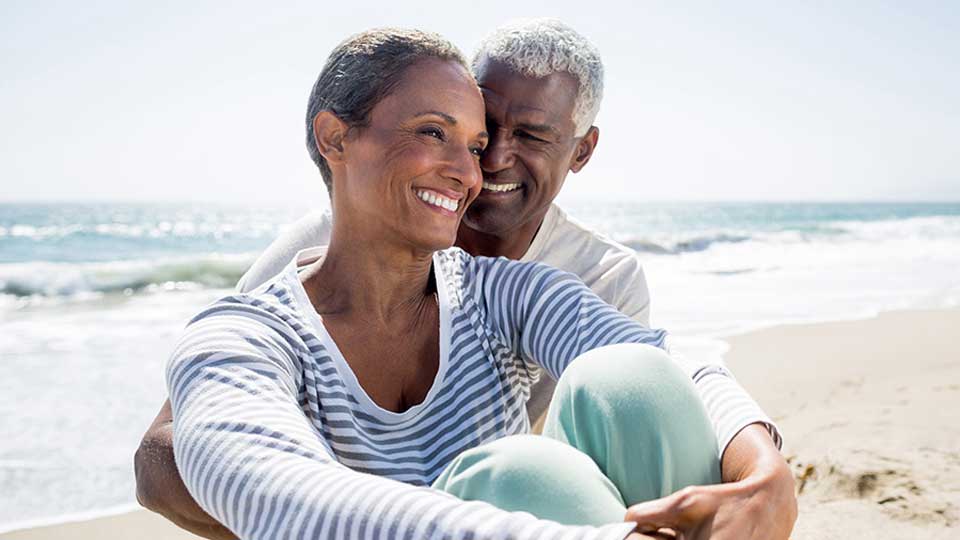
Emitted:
pixel 309 231
pixel 159 486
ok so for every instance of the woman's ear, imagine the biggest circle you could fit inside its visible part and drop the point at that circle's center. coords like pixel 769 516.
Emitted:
pixel 329 131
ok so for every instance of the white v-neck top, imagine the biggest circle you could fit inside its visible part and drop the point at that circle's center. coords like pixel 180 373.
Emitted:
pixel 276 439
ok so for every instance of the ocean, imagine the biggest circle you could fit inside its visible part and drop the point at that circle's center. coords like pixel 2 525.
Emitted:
pixel 93 296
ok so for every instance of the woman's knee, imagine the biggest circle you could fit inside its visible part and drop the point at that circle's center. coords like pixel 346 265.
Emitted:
pixel 545 477
pixel 639 417
pixel 628 376
pixel 517 464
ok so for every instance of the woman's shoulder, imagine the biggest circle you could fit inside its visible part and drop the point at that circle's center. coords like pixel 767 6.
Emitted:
pixel 269 310
pixel 479 276
pixel 455 259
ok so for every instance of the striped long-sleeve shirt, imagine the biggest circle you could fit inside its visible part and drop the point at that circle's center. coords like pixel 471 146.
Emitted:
pixel 274 436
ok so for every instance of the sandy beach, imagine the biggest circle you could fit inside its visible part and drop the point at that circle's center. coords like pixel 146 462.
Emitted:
pixel 868 410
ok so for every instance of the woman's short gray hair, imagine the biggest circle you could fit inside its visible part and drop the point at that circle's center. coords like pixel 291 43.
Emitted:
pixel 363 70
pixel 541 47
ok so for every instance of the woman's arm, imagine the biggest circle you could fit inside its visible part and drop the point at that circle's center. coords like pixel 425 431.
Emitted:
pixel 550 317
pixel 253 460
pixel 756 502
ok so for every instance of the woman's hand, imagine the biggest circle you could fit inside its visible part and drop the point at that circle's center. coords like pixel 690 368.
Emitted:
pixel 757 502
pixel 651 536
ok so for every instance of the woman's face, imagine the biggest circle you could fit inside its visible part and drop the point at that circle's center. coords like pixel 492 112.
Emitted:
pixel 411 172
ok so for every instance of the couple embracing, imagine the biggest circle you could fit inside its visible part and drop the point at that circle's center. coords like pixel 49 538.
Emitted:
pixel 371 380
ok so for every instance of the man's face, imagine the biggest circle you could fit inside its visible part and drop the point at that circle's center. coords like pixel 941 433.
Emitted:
pixel 532 147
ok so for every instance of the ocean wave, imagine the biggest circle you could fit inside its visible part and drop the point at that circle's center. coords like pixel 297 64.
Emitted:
pixel 921 227
pixel 732 271
pixel 80 280
pixel 690 244
pixel 154 230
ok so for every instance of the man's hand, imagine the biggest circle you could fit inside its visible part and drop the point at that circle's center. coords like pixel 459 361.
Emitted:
pixel 159 486
pixel 756 502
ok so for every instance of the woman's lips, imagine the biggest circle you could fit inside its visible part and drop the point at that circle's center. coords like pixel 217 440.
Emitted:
pixel 438 200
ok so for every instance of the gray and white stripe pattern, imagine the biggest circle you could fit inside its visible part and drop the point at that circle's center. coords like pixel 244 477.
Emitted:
pixel 275 438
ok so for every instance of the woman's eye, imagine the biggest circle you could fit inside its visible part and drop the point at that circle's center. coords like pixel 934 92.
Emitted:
pixel 433 132
pixel 477 151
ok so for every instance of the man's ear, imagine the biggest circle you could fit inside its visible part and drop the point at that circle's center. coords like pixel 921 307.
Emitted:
pixel 584 150
pixel 329 131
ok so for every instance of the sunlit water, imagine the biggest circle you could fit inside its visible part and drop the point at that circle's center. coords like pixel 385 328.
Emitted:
pixel 92 298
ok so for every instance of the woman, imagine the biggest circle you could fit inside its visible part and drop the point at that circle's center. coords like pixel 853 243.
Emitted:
pixel 376 391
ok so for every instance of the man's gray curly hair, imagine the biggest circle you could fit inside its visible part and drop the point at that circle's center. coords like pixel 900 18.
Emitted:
pixel 541 47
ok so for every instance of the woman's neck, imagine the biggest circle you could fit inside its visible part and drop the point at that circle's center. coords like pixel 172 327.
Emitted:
pixel 369 279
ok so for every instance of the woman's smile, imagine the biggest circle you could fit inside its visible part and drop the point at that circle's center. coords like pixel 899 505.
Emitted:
pixel 439 202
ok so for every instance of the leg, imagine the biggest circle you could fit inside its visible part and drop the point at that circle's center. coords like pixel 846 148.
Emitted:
pixel 632 410
pixel 546 478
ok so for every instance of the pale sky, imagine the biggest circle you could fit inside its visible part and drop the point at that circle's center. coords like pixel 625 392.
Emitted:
pixel 755 100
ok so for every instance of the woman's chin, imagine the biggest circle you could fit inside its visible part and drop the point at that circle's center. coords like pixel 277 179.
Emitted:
pixel 438 241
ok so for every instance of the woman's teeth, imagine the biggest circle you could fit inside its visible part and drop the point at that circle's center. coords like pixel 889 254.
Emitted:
pixel 500 187
pixel 438 200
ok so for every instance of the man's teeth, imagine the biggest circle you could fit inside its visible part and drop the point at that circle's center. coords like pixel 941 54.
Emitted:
pixel 500 187
pixel 438 200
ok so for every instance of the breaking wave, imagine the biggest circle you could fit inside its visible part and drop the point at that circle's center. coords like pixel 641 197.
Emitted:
pixel 125 277
pixel 691 244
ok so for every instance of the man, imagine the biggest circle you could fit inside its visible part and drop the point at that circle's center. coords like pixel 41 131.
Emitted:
pixel 542 84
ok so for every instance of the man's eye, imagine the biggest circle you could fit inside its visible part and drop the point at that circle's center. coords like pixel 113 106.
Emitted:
pixel 526 135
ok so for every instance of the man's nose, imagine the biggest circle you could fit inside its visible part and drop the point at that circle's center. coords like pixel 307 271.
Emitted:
pixel 499 154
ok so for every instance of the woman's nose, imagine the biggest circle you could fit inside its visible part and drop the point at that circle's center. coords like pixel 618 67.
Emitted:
pixel 464 168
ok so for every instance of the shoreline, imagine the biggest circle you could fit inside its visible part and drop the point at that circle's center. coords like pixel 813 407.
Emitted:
pixel 72 517
pixel 863 406
pixel 133 522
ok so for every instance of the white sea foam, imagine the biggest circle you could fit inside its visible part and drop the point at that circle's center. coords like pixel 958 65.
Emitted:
pixel 786 277
pixel 161 229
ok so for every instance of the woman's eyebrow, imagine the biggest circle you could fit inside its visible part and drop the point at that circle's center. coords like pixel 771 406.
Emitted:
pixel 449 119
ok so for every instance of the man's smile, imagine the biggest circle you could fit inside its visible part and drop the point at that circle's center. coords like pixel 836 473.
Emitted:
pixel 501 187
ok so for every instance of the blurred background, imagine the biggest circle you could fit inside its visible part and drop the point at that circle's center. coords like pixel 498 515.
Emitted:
pixel 771 162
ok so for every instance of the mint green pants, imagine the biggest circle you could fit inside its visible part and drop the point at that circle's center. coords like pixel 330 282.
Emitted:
pixel 625 425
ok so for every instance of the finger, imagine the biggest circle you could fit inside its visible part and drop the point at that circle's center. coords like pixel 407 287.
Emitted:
pixel 653 515
pixel 681 511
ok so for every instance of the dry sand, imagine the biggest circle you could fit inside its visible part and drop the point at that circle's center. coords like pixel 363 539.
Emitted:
pixel 870 411
pixel 871 415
